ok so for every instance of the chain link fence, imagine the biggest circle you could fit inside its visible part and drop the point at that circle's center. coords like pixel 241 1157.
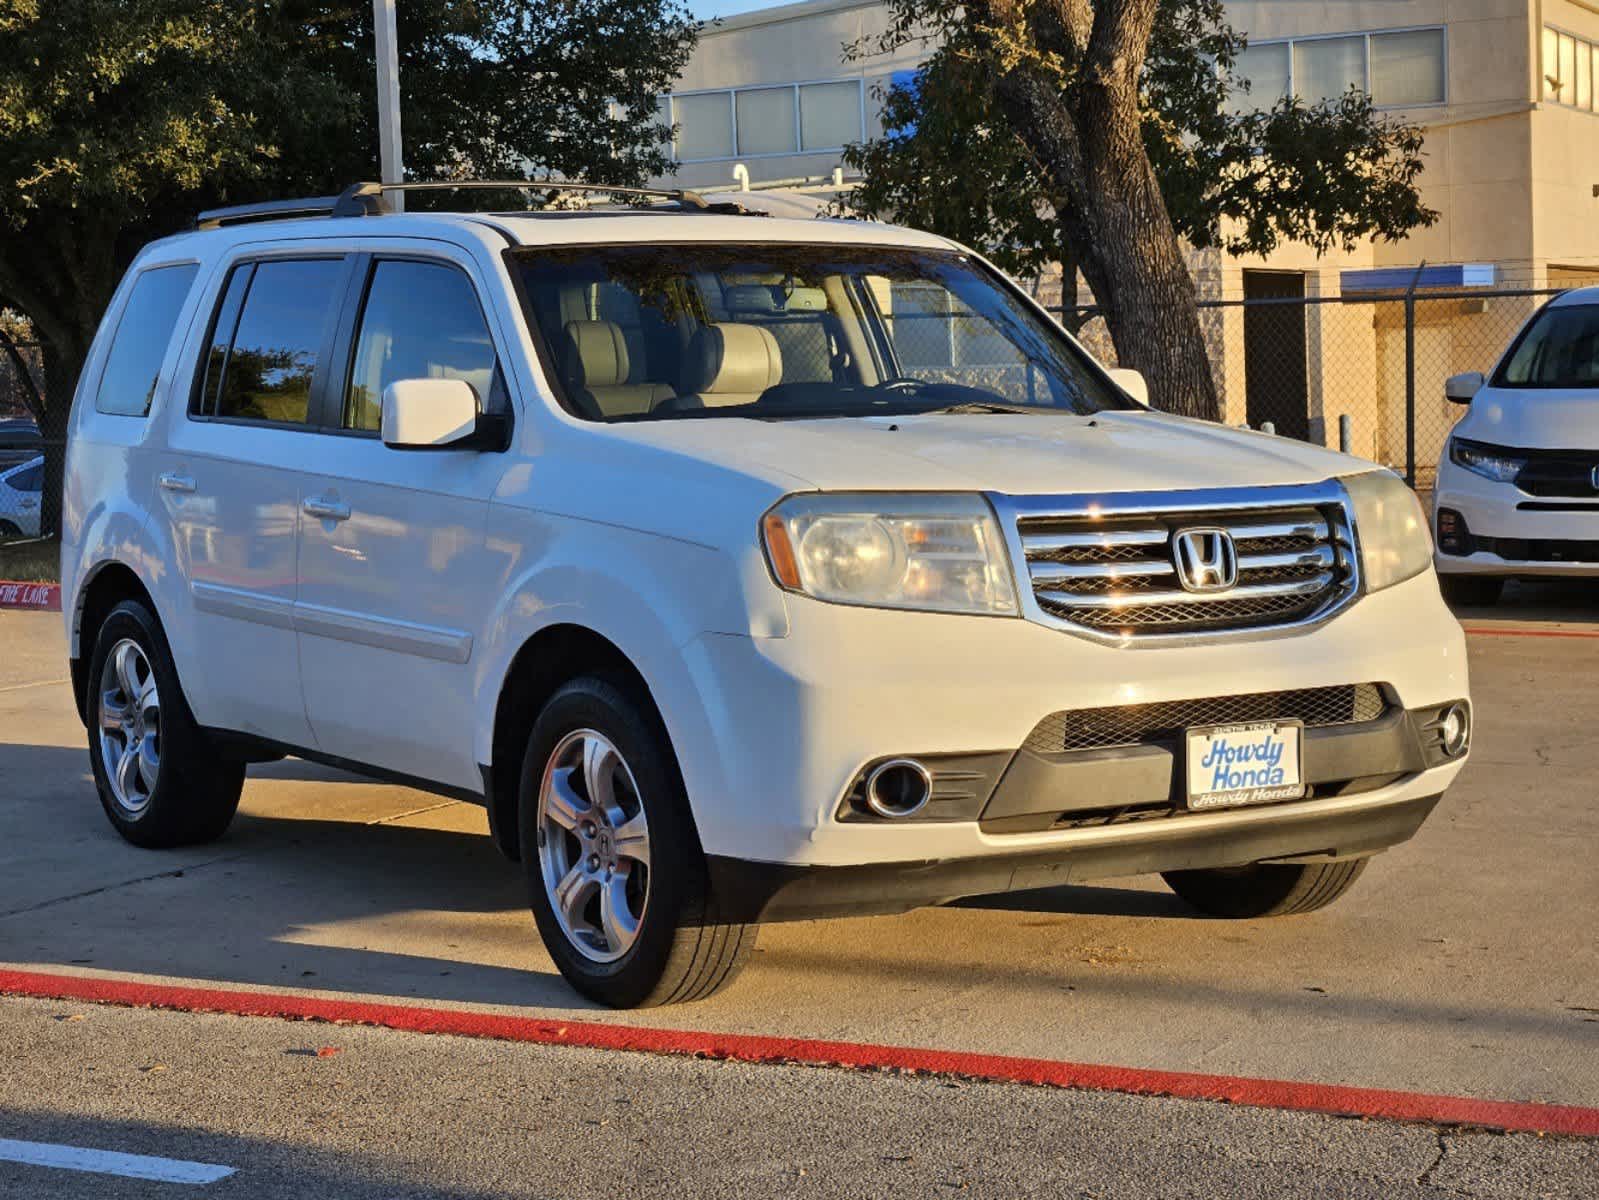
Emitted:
pixel 1362 373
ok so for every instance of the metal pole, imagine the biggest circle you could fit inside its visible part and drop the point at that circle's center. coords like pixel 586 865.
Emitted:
pixel 1410 375
pixel 1346 434
pixel 391 165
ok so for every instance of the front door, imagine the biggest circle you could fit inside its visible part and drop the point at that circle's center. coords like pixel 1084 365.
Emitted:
pixel 229 483
pixel 395 585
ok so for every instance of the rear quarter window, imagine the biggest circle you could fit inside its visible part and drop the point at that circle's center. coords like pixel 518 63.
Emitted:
pixel 133 366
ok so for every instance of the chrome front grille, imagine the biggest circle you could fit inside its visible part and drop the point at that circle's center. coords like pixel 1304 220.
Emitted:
pixel 1109 565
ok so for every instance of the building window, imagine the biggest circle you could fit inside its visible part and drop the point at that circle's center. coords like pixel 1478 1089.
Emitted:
pixel 766 121
pixel 1570 70
pixel 704 125
pixel 769 120
pixel 830 114
pixel 1397 68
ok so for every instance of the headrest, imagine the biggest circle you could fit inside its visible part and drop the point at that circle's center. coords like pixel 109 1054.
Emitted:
pixel 772 299
pixel 596 353
pixel 734 358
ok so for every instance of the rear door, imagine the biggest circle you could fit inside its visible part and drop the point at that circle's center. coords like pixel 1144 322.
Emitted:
pixel 229 484
pixel 395 580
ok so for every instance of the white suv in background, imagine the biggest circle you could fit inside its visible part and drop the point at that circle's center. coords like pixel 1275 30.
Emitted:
pixel 1518 483
pixel 743 569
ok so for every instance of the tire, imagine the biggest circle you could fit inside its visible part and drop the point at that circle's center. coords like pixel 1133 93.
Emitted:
pixel 8 530
pixel 172 788
pixel 638 924
pixel 1265 889
pixel 1471 590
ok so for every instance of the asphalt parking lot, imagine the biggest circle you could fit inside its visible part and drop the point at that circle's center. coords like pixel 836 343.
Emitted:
pixel 1464 963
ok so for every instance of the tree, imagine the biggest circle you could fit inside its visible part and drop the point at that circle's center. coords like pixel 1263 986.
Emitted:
pixel 1096 133
pixel 119 119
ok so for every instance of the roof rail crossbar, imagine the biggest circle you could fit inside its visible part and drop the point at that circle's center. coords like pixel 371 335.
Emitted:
pixel 358 192
pixel 273 210
pixel 366 199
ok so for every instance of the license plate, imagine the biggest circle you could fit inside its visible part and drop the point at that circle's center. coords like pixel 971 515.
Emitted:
pixel 1231 765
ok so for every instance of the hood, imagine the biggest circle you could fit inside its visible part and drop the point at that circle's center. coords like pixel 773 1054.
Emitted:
pixel 1534 418
pixel 1015 453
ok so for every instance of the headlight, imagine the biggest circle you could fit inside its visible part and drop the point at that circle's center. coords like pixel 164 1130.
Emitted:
pixel 938 552
pixel 1391 528
pixel 1491 462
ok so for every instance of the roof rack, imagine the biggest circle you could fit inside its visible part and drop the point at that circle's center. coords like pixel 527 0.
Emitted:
pixel 366 199
pixel 267 210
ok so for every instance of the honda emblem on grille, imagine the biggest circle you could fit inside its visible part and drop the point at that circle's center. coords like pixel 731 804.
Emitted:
pixel 1206 559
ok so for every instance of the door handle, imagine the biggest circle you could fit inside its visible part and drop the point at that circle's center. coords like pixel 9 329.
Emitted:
pixel 173 482
pixel 326 509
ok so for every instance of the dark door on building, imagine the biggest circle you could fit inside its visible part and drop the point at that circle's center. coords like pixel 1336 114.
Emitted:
pixel 1276 387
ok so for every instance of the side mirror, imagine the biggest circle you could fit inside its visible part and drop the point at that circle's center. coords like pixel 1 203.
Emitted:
pixel 438 414
pixel 1131 382
pixel 1459 389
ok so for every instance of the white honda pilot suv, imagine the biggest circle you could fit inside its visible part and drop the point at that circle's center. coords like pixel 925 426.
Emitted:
pixel 743 569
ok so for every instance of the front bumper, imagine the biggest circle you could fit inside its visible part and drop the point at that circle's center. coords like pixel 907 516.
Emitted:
pixel 1515 534
pixel 785 725
pixel 1316 831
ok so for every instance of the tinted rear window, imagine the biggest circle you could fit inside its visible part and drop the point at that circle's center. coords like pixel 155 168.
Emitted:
pixel 133 366
pixel 270 328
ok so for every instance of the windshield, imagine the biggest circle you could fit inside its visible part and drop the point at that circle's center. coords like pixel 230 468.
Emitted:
pixel 773 331
pixel 1558 349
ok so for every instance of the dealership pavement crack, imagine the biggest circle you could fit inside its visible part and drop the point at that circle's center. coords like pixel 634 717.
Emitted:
pixel 1443 1152
pixel 174 873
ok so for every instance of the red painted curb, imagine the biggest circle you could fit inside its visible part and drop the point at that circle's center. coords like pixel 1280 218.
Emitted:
pixel 1257 1093
pixel 43 596
pixel 1535 633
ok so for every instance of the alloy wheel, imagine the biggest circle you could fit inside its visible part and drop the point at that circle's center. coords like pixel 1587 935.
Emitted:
pixel 594 845
pixel 130 726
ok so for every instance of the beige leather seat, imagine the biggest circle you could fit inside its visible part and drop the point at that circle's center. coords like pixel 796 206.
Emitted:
pixel 596 367
pixel 731 364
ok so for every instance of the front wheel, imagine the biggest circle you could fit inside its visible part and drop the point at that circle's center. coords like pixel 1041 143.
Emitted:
pixel 160 780
pixel 1265 889
pixel 616 876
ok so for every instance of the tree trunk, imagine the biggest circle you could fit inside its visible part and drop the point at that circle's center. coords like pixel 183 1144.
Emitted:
pixel 1089 138
pixel 1135 266
pixel 62 366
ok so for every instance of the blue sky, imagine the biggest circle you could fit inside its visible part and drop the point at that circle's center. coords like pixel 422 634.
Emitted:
pixel 726 8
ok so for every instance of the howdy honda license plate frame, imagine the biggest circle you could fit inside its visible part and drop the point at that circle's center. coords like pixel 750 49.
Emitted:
pixel 1259 762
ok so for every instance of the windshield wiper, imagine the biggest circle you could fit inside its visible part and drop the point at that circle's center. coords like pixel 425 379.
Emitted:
pixel 982 406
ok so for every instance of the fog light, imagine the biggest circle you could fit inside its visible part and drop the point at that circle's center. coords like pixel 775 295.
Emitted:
pixel 1455 729
pixel 1453 535
pixel 898 788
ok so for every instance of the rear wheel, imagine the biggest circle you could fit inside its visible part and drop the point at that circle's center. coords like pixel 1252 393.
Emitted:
pixel 160 780
pixel 1265 889
pixel 616 876
pixel 1471 590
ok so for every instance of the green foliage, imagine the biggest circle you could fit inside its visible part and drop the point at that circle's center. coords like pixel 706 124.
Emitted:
pixel 1324 175
pixel 119 119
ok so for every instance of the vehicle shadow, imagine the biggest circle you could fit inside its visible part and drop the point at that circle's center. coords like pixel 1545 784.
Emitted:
pixel 290 896
pixel 1540 600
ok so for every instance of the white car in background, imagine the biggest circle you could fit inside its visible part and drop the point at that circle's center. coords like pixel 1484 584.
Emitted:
pixel 1518 482
pixel 20 490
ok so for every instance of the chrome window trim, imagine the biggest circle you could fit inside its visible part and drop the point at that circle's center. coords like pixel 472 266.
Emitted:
pixel 1328 493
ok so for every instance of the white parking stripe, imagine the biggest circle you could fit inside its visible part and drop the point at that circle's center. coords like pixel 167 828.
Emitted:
pixel 109 1162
